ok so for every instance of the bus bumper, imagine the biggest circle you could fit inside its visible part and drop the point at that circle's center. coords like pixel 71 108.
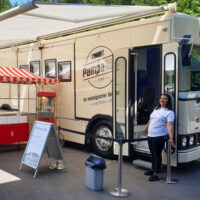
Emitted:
pixel 188 155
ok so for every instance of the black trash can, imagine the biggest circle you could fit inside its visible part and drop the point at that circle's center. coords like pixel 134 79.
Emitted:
pixel 95 172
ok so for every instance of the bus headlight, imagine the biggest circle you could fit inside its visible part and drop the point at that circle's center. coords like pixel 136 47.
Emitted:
pixel 184 142
pixel 191 140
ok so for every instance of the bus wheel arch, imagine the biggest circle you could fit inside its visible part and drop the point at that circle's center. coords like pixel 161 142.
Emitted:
pixel 101 125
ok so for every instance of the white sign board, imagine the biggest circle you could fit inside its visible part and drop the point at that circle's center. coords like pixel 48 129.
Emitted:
pixel 43 136
pixel 36 144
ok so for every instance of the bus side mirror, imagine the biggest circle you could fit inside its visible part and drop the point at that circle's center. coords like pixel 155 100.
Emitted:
pixel 186 54
pixel 186 60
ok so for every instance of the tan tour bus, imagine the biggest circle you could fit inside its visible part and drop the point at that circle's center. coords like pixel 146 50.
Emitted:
pixel 112 78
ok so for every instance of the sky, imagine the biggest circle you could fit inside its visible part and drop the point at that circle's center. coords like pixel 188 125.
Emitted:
pixel 19 1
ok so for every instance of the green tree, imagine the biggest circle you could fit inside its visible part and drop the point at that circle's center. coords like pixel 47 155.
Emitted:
pixel 97 2
pixel 4 5
pixel 191 7
pixel 149 2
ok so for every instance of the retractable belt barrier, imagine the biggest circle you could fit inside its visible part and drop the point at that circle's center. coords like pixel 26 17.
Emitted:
pixel 105 138
pixel 119 191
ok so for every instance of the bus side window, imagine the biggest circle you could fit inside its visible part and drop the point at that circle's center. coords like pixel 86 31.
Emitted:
pixel 50 68
pixel 64 71
pixel 35 67
pixel 169 77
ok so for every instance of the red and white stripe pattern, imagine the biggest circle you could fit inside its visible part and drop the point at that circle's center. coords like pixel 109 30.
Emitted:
pixel 17 75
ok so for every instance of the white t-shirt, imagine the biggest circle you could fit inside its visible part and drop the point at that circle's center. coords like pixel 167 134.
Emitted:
pixel 158 122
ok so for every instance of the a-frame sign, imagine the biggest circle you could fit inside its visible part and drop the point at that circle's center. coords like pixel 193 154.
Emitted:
pixel 43 137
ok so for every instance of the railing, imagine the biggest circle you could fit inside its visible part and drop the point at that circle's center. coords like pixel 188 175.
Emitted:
pixel 119 191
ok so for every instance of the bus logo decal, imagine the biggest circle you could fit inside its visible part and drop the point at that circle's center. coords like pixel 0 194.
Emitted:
pixel 98 67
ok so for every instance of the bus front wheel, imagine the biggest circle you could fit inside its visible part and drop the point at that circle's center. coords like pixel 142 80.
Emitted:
pixel 103 147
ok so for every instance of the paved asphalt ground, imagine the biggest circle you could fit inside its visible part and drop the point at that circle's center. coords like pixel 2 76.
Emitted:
pixel 69 184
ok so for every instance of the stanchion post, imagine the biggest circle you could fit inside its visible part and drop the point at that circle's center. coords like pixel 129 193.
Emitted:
pixel 120 161
pixel 120 192
pixel 168 179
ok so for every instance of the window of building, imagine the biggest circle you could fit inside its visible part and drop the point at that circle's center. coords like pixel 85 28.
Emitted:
pixel 50 68
pixel 35 67
pixel 64 71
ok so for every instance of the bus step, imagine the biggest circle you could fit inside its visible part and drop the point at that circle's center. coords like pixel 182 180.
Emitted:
pixel 142 163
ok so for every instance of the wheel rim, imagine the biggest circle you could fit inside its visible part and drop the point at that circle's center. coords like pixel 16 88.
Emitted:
pixel 103 145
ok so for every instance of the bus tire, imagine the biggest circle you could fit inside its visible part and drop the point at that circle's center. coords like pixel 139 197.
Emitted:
pixel 103 147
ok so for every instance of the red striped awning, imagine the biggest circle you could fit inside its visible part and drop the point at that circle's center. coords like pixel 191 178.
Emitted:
pixel 17 75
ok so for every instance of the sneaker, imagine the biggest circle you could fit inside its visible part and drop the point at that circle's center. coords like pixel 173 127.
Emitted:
pixel 53 166
pixel 154 178
pixel 149 173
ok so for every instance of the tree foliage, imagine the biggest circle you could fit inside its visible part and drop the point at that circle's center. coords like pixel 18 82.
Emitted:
pixel 4 5
pixel 191 7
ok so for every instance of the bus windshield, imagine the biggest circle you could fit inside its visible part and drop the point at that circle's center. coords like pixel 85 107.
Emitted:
pixel 189 76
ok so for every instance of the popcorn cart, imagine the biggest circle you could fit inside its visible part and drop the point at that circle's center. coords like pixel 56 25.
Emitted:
pixel 46 107
pixel 17 112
